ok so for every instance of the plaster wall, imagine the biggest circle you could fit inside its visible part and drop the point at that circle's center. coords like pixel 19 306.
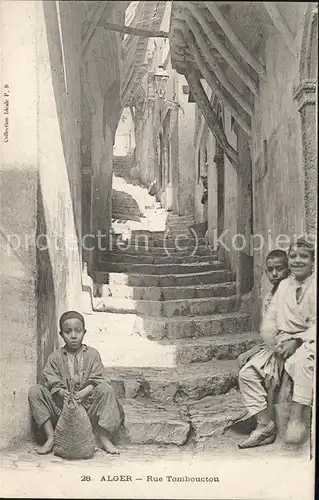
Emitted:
pixel 212 207
pixel 230 242
pixel 40 278
pixel 101 77
pixel 278 176
pixel 177 192
pixel 200 143
pixel 186 129
pixel 124 139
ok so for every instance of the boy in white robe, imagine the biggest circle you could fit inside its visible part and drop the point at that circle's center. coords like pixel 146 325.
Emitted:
pixel 288 330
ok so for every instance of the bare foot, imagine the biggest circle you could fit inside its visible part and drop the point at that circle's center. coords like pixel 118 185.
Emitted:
pixel 108 446
pixel 46 448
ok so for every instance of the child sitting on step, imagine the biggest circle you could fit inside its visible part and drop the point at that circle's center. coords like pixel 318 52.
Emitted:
pixel 82 365
pixel 288 330
pixel 276 270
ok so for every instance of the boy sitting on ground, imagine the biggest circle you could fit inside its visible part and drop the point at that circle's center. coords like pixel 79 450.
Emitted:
pixel 80 367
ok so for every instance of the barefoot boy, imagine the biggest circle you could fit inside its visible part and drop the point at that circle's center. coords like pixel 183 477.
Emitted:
pixel 79 366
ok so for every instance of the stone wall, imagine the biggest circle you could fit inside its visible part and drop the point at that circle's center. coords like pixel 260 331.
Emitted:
pixel 174 119
pixel 186 158
pixel 101 75
pixel 278 173
pixel 40 156
pixel 212 207
pixel 200 144
pixel 63 23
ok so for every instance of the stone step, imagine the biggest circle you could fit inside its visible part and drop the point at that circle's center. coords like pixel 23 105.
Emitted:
pixel 124 201
pixel 179 384
pixel 124 213
pixel 175 218
pixel 156 328
pixel 178 227
pixel 208 277
pixel 150 259
pixel 152 422
pixel 168 308
pixel 120 240
pixel 209 415
pixel 125 206
pixel 168 293
pixel 161 269
pixel 132 249
pixel 146 233
pixel 222 347
pixel 121 342
pixel 155 423
pixel 125 216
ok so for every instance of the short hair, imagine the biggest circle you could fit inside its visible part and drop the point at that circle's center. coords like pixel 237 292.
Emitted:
pixel 307 242
pixel 71 315
pixel 281 254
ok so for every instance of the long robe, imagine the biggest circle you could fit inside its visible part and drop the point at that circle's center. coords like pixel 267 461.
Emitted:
pixel 286 318
pixel 101 404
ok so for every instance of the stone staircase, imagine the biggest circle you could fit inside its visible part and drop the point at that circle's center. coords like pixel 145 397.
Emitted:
pixel 122 166
pixel 171 329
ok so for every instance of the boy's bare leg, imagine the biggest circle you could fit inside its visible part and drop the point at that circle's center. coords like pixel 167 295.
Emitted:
pixel 105 441
pixel 264 418
pixel 48 445
pixel 297 428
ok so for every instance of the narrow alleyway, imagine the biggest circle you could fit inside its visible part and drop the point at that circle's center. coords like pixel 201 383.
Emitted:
pixel 172 328
pixel 184 133
pixel 178 384
pixel 167 325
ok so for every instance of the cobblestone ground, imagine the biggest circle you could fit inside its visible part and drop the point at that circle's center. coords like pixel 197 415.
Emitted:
pixel 271 472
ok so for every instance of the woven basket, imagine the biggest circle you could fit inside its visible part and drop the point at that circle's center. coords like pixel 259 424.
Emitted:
pixel 73 436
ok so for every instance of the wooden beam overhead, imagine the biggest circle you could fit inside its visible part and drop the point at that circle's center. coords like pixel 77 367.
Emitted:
pixel 215 68
pixel 202 66
pixel 219 45
pixel 134 31
pixel 280 24
pixel 234 39
pixel 210 116
pixel 92 26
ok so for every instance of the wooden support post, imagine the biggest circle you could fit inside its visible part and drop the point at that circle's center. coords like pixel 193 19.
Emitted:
pixel 214 67
pixel 134 31
pixel 202 66
pixel 211 118
pixel 234 39
pixel 216 42
pixel 280 24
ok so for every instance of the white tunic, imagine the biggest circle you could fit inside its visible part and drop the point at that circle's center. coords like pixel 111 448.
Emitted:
pixel 288 317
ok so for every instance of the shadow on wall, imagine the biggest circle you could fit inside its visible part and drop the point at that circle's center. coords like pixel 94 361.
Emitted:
pixel 124 206
pixel 47 338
